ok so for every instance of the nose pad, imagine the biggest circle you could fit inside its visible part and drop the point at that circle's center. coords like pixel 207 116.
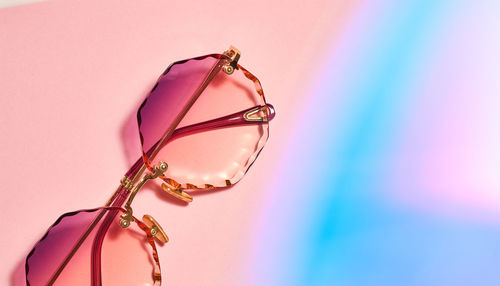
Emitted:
pixel 178 193
pixel 155 228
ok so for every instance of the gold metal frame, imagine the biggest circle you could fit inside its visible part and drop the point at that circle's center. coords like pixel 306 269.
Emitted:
pixel 127 218
pixel 234 54
pixel 168 185
pixel 134 184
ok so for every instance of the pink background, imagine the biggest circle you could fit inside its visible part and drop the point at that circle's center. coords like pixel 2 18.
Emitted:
pixel 382 166
pixel 72 75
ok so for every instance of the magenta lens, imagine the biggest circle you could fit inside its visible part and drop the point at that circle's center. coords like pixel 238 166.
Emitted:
pixel 174 92
pixel 207 124
pixel 125 256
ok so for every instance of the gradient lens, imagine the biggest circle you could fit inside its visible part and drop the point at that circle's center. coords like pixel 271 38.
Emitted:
pixel 125 258
pixel 174 92
pixel 210 157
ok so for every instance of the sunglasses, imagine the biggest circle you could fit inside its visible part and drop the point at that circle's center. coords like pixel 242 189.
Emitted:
pixel 201 128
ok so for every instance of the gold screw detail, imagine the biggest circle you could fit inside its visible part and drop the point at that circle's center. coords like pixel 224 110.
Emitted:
pixel 154 231
pixel 124 223
pixel 228 69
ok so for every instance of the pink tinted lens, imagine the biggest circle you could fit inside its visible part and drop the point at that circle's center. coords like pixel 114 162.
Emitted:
pixel 209 157
pixel 173 93
pixel 217 157
pixel 125 249
pixel 129 257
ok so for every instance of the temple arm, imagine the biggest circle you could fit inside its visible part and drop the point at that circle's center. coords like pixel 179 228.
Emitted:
pixel 255 115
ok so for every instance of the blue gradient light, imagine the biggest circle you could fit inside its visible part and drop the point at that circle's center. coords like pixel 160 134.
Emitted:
pixel 336 222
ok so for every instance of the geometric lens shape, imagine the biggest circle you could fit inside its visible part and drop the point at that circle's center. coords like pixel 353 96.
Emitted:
pixel 173 92
pixel 212 141
pixel 88 247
